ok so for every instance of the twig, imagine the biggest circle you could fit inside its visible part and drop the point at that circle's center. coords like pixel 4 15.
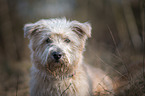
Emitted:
pixel 130 82
pixel 111 67
pixel 66 89
pixel 113 40
pixel 103 80
pixel 118 50
pixel 107 91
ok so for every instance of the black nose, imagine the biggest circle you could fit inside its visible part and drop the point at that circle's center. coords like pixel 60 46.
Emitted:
pixel 57 55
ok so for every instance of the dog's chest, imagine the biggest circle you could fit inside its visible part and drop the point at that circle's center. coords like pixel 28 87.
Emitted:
pixel 68 87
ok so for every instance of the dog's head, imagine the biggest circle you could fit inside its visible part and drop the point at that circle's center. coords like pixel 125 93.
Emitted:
pixel 57 44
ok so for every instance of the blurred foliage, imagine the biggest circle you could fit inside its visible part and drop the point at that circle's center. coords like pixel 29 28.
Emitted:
pixel 117 43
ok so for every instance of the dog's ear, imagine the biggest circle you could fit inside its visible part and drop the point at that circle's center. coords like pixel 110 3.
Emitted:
pixel 81 29
pixel 29 29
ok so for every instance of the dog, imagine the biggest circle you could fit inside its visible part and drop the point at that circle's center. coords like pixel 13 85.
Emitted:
pixel 58 68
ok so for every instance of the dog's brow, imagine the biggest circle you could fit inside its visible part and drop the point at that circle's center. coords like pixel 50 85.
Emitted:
pixel 58 35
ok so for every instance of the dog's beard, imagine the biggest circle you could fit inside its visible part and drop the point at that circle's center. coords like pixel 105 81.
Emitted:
pixel 58 68
pixel 62 67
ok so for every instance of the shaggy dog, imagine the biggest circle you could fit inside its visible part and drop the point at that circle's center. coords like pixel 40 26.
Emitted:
pixel 57 55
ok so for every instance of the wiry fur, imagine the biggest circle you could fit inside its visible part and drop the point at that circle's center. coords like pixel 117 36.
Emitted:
pixel 69 77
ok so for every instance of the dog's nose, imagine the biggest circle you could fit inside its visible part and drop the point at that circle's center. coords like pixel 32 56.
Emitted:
pixel 57 55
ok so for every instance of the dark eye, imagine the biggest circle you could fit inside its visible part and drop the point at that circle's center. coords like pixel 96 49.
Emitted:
pixel 67 40
pixel 48 40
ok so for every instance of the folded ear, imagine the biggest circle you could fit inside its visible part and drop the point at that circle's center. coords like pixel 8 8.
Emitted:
pixel 28 29
pixel 82 29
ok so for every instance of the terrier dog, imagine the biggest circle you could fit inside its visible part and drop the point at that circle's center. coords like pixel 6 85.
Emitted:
pixel 57 54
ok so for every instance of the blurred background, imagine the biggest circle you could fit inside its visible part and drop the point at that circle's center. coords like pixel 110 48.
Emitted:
pixel 116 46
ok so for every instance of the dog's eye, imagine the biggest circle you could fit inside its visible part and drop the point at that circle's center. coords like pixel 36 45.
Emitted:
pixel 48 40
pixel 67 40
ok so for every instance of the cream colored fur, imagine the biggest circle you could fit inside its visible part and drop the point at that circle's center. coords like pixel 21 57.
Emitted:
pixel 69 77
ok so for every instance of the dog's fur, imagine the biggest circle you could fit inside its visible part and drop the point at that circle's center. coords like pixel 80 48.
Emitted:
pixel 68 76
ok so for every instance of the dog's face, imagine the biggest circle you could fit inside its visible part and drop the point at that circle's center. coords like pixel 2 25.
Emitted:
pixel 57 44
